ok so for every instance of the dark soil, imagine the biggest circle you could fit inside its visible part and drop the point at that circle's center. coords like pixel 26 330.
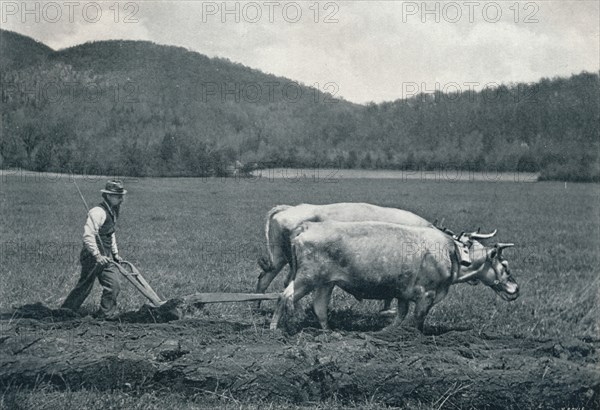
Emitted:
pixel 443 368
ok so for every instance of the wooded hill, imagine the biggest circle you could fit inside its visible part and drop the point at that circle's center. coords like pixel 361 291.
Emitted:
pixel 141 109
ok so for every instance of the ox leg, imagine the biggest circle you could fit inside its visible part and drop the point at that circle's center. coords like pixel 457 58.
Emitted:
pixel 269 272
pixel 422 307
pixel 321 302
pixel 402 311
pixel 295 291
pixel 267 275
pixel 288 278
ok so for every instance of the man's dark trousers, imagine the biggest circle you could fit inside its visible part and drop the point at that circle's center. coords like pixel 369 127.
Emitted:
pixel 108 276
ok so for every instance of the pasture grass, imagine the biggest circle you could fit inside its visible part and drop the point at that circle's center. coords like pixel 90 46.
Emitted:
pixel 192 235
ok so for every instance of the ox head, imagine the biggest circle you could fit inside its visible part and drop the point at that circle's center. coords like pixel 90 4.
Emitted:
pixel 491 269
pixel 496 274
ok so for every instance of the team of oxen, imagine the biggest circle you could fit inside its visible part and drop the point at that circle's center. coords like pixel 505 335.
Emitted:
pixel 374 252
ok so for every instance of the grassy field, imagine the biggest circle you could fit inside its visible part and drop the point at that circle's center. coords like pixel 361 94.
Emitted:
pixel 203 235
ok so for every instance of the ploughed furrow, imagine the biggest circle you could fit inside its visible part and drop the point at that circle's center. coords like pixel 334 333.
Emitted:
pixel 396 367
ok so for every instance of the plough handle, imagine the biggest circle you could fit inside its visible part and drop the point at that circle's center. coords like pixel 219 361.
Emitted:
pixel 138 281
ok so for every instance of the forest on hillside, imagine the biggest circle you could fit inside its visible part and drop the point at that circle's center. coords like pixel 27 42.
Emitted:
pixel 140 109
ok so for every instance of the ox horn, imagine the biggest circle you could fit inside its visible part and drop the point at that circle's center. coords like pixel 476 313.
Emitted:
pixel 500 246
pixel 477 235
pixel 442 228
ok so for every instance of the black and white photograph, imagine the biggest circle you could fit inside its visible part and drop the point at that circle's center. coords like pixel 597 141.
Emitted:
pixel 308 204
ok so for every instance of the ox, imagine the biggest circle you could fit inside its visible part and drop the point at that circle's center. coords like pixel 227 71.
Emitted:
pixel 283 219
pixel 378 260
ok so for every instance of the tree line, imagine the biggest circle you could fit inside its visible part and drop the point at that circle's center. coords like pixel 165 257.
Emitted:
pixel 140 109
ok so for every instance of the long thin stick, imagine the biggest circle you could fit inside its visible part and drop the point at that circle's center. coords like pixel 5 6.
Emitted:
pixel 96 233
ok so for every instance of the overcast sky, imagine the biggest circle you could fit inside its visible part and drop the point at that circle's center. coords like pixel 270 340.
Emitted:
pixel 364 50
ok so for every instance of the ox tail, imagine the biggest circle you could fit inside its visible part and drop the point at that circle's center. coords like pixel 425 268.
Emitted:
pixel 294 264
pixel 267 263
pixel 294 251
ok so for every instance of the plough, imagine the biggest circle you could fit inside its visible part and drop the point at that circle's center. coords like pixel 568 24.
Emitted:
pixel 133 275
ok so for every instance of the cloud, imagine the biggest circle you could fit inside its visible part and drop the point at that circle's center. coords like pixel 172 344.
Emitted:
pixel 371 52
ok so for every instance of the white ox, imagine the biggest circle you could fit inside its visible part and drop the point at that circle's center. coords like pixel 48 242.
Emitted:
pixel 378 260
pixel 283 219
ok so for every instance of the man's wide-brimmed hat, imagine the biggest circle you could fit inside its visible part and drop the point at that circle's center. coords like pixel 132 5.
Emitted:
pixel 114 187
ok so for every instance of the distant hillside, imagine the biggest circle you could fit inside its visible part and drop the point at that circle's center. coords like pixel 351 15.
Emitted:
pixel 137 108
pixel 17 51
